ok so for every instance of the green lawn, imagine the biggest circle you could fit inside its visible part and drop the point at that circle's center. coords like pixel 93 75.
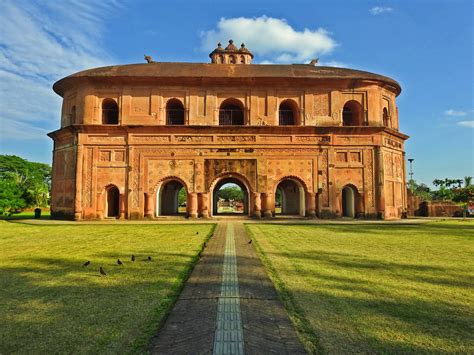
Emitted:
pixel 375 288
pixel 50 303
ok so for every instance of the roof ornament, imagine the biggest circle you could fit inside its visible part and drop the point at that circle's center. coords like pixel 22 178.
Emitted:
pixel 314 61
pixel 231 47
pixel 148 59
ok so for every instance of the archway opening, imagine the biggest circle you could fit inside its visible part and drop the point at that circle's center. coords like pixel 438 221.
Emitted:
pixel 287 113
pixel 113 196
pixel 348 202
pixel 231 113
pixel 174 112
pixel 230 197
pixel 290 198
pixel 109 111
pixel 172 199
pixel 352 114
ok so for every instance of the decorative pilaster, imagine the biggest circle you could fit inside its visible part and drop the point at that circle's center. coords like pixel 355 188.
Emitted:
pixel 257 203
pixel 311 204
pixel 149 205
pixel 192 205
pixel 269 202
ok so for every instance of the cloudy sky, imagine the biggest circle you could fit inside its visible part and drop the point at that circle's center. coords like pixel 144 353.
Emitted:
pixel 424 45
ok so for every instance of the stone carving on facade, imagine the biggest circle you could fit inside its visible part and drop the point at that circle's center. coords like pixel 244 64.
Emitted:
pixel 135 178
pixel 193 139
pixel 369 186
pixel 87 188
pixel 321 104
pixel 223 139
pixel 324 179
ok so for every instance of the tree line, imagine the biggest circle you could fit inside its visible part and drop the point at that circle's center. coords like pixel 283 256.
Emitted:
pixel 23 184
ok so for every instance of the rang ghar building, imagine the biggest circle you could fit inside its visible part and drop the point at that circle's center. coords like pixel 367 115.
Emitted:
pixel 299 139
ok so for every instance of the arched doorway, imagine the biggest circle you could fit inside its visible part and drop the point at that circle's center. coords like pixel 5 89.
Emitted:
pixel 287 113
pixel 349 196
pixel 113 197
pixel 230 196
pixel 352 114
pixel 290 198
pixel 231 113
pixel 174 112
pixel 109 111
pixel 171 199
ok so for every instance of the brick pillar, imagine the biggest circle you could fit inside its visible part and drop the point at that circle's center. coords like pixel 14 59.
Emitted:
pixel 122 206
pixel 269 201
pixel 192 205
pixel 100 205
pixel 257 203
pixel 203 204
pixel 78 192
pixel 149 205
pixel 310 204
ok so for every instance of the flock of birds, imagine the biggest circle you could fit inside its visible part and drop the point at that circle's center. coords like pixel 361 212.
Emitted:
pixel 119 262
pixel 148 259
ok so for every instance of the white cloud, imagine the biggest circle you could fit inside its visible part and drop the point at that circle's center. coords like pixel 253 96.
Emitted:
pixel 455 113
pixel 41 42
pixel 272 39
pixel 377 10
pixel 333 63
pixel 469 124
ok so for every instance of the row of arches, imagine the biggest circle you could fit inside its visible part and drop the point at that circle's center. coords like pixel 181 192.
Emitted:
pixel 171 199
pixel 231 113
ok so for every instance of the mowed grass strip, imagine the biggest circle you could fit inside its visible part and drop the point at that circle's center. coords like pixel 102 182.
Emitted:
pixel 375 288
pixel 50 303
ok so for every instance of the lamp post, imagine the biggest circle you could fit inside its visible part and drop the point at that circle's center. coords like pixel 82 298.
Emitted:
pixel 412 182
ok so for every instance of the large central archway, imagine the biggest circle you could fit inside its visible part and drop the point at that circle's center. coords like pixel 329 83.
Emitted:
pixel 231 205
pixel 290 198
pixel 171 198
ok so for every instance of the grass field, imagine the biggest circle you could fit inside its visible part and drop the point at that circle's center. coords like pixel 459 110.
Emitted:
pixel 50 303
pixel 375 288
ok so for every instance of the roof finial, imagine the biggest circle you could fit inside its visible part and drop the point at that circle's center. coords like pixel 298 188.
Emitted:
pixel 242 45
pixel 231 41
pixel 219 44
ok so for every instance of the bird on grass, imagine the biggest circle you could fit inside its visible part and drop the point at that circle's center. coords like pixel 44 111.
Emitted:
pixel 86 263
pixel 200 254
pixel 102 272
pixel 119 262
pixel 133 258
pixel 149 258
pixel 250 241
pixel 197 233
pixel 204 245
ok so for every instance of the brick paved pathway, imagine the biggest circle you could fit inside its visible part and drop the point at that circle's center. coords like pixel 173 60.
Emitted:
pixel 228 305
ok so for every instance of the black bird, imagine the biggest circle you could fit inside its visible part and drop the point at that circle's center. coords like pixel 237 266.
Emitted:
pixel 200 254
pixel 133 258
pixel 149 258
pixel 86 263
pixel 197 233
pixel 204 245
pixel 250 241
pixel 102 272
pixel 119 262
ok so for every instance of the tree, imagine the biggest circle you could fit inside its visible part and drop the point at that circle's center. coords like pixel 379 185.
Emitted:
pixel 25 181
pixel 231 192
pixel 182 197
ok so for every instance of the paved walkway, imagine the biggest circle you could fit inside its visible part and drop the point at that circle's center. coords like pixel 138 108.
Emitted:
pixel 228 305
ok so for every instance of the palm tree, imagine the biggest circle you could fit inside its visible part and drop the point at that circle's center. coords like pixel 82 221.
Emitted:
pixel 467 181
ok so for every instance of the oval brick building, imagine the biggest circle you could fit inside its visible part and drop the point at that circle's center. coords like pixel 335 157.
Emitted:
pixel 132 136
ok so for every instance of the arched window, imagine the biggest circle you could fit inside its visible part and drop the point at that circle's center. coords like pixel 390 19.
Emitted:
pixel 231 59
pixel 174 112
pixel 242 59
pixel 352 114
pixel 287 113
pixel 109 111
pixel 231 113
pixel 73 115
pixel 386 118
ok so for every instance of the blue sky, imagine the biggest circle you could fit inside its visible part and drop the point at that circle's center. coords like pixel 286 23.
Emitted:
pixel 427 46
